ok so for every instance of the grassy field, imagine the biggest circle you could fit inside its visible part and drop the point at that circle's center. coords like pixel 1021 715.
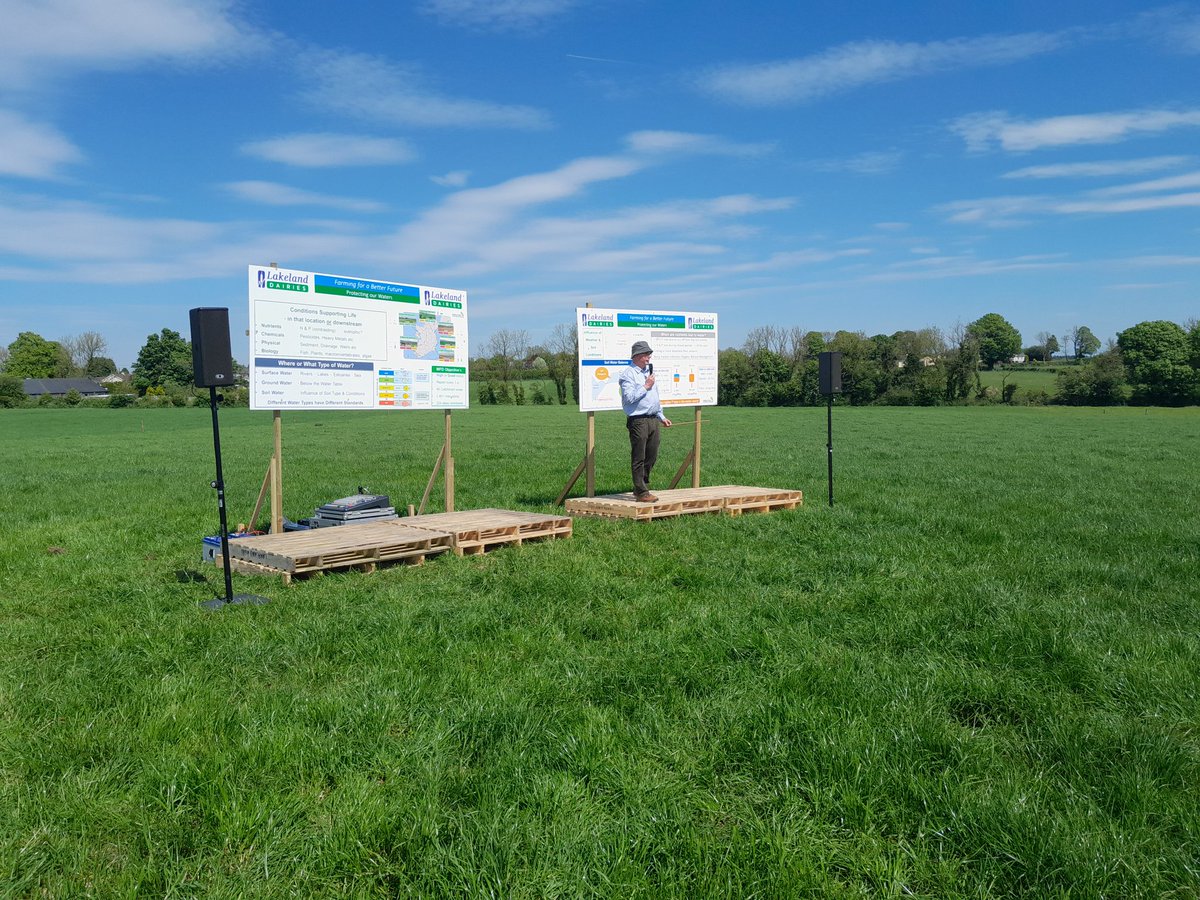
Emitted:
pixel 1025 379
pixel 975 676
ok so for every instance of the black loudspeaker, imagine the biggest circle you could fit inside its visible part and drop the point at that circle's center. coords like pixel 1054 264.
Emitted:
pixel 831 372
pixel 212 359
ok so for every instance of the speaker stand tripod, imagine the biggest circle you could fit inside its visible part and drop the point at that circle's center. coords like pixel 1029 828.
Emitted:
pixel 219 484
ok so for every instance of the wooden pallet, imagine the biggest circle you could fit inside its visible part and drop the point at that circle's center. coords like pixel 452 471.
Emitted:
pixel 730 499
pixel 479 530
pixel 321 549
pixel 680 502
pixel 742 499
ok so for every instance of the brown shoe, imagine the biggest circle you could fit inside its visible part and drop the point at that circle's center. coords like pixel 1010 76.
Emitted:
pixel 646 497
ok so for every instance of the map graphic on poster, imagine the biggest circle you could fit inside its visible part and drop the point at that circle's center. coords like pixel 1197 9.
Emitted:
pixel 334 342
pixel 685 355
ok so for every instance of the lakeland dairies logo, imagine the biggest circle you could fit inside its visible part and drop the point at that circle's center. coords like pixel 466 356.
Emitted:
pixel 452 296
pixel 705 322
pixel 598 320
pixel 279 280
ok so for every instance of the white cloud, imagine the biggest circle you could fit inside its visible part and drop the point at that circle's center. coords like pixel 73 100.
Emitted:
pixel 686 142
pixel 1164 261
pixel 1101 168
pixel 1132 204
pixel 81 232
pixel 32 149
pixel 273 194
pixel 42 37
pixel 596 242
pixel 376 90
pixel 1175 27
pixel 324 150
pixel 854 65
pixel 1142 196
pixel 880 162
pixel 982 131
pixel 937 267
pixel 455 179
pixel 497 15
pixel 1174 183
pixel 459 223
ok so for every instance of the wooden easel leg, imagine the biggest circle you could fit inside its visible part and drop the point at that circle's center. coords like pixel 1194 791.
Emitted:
pixel 589 454
pixel 696 452
pixel 277 477
pixel 432 478
pixel 571 481
pixel 268 479
pixel 687 461
pixel 449 468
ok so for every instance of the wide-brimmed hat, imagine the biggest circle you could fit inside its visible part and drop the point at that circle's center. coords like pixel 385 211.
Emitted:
pixel 640 347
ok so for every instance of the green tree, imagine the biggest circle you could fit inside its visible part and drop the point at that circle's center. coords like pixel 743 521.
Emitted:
pixel 734 377
pixel 861 374
pixel 1194 343
pixel 1157 359
pixel 32 356
pixel 562 357
pixel 1049 344
pixel 962 364
pixel 1085 342
pixel 12 393
pixel 100 367
pixel 997 339
pixel 165 358
pixel 1098 382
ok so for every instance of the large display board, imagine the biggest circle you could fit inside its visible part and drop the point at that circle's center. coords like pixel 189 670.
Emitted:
pixel 685 355
pixel 334 342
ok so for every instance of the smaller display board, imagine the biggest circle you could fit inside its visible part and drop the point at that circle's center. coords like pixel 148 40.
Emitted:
pixel 336 342
pixel 685 355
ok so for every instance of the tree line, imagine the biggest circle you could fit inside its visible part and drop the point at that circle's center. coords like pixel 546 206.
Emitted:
pixel 1156 363
pixel 1151 363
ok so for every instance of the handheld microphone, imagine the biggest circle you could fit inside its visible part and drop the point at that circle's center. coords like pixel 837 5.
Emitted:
pixel 649 368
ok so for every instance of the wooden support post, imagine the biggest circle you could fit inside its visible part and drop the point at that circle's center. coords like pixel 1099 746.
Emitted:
pixel 432 478
pixel 696 452
pixel 571 482
pixel 449 468
pixel 687 461
pixel 277 479
pixel 588 463
pixel 589 454
pixel 268 480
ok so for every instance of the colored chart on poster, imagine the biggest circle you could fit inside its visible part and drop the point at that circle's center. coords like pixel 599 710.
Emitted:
pixel 335 342
pixel 685 355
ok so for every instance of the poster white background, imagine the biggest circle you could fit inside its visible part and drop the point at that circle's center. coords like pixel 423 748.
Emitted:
pixel 685 355
pixel 322 341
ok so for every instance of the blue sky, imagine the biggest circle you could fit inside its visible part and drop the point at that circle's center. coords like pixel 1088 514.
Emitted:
pixel 871 166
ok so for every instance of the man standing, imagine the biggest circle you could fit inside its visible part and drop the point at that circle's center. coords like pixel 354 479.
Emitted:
pixel 643 411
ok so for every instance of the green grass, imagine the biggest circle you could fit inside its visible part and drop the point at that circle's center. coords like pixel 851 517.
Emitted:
pixel 1025 380
pixel 975 676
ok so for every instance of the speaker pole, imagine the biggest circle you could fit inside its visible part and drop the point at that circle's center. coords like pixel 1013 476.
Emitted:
pixel 219 485
pixel 829 441
pixel 212 365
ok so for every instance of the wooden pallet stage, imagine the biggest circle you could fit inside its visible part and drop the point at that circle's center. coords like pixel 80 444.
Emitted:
pixel 479 530
pixel 730 499
pixel 742 499
pixel 321 549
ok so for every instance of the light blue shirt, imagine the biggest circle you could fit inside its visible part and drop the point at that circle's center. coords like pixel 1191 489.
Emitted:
pixel 635 399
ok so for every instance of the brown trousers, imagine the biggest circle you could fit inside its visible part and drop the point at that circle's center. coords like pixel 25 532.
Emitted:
pixel 643 447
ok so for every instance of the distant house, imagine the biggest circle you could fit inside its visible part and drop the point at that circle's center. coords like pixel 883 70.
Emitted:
pixel 60 387
pixel 926 361
pixel 1019 358
pixel 114 378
